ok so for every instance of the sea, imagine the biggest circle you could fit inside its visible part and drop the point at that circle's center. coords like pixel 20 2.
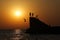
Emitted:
pixel 18 34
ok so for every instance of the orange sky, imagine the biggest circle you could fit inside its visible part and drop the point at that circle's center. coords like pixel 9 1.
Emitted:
pixel 48 11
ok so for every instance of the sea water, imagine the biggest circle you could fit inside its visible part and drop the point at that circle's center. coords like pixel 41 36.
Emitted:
pixel 16 34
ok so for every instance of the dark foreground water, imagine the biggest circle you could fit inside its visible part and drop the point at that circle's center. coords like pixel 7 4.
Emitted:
pixel 20 35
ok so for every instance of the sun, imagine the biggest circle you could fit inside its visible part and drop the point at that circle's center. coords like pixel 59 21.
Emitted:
pixel 18 13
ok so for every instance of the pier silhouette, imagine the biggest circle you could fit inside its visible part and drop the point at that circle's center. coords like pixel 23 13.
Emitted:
pixel 39 27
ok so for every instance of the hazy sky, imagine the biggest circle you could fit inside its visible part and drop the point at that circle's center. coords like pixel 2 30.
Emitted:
pixel 47 10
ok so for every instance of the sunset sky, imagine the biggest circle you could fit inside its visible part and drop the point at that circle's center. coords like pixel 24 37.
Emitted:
pixel 48 11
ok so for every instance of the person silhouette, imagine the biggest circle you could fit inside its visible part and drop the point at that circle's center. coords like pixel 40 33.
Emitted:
pixel 30 14
pixel 24 20
pixel 36 15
